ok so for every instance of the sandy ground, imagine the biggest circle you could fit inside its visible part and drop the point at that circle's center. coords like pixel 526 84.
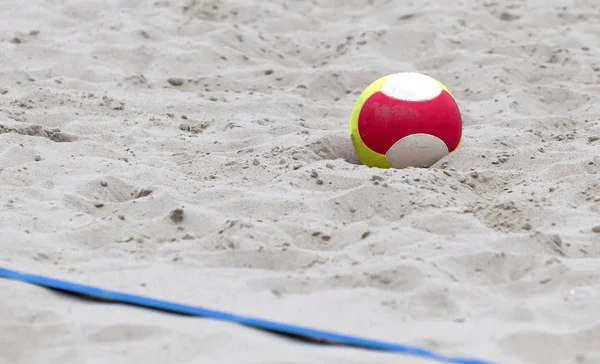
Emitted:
pixel 198 151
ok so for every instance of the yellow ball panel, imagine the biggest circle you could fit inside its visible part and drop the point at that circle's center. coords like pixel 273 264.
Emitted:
pixel 365 155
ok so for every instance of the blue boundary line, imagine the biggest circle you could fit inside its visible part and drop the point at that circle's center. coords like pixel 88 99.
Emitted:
pixel 281 328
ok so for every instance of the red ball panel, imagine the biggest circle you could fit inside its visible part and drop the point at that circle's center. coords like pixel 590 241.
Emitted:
pixel 383 120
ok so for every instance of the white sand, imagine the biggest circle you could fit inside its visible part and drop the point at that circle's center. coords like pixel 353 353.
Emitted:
pixel 490 254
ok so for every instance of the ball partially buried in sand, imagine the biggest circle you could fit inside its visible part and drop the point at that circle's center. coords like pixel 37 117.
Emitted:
pixel 405 119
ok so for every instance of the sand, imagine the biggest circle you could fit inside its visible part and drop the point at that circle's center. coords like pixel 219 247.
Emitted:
pixel 198 151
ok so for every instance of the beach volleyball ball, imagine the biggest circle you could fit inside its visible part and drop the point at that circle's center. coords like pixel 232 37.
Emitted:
pixel 405 119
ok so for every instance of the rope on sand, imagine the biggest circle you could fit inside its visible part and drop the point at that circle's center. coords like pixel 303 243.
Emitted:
pixel 293 331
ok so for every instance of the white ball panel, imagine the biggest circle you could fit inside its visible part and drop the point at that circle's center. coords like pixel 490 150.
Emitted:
pixel 411 86
pixel 417 150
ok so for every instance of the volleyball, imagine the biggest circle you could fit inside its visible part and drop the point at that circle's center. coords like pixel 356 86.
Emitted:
pixel 405 119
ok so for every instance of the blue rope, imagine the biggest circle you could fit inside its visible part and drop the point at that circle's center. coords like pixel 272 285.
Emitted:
pixel 281 328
